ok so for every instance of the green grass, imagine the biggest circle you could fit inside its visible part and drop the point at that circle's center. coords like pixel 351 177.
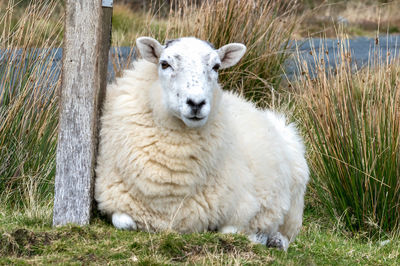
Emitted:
pixel 321 243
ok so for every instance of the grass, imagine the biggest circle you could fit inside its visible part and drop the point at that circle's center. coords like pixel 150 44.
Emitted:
pixel 35 241
pixel 31 24
pixel 28 107
pixel 316 18
pixel 128 24
pixel 321 18
pixel 351 120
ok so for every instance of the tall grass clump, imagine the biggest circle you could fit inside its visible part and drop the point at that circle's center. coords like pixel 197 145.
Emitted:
pixel 126 24
pixel 29 83
pixel 264 27
pixel 352 122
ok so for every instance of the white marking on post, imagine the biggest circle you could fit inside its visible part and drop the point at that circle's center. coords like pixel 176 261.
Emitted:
pixel 107 3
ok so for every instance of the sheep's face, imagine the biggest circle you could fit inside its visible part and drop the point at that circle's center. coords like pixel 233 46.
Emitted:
pixel 188 73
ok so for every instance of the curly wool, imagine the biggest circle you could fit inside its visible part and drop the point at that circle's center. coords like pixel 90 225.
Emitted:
pixel 245 168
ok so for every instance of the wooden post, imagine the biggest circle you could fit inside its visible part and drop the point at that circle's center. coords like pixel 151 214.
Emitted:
pixel 85 58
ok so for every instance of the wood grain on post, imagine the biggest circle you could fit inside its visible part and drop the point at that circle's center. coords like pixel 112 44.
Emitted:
pixel 85 58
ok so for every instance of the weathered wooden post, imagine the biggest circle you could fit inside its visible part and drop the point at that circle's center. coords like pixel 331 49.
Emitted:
pixel 85 58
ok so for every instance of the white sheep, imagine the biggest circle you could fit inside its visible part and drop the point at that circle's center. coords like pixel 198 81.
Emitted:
pixel 176 152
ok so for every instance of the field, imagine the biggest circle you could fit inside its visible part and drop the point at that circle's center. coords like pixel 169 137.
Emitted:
pixel 349 118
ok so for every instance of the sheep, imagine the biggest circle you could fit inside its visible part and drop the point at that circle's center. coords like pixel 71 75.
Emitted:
pixel 178 153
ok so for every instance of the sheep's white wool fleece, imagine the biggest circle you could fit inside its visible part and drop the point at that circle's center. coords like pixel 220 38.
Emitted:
pixel 245 168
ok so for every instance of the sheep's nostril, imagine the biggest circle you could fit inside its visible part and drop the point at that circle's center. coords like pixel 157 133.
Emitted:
pixel 195 106
pixel 190 103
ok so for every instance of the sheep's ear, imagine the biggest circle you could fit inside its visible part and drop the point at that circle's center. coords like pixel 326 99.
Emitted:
pixel 149 48
pixel 230 54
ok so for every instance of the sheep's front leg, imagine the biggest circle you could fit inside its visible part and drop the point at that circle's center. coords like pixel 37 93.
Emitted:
pixel 123 221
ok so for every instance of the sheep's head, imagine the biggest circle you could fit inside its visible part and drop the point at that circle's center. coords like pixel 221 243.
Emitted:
pixel 188 73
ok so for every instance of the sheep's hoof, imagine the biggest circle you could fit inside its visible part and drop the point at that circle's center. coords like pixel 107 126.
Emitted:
pixel 123 221
pixel 278 241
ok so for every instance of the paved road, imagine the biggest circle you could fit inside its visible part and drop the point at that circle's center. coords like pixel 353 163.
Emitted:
pixel 387 47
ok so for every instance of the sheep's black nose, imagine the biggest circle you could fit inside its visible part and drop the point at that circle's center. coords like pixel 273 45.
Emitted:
pixel 195 106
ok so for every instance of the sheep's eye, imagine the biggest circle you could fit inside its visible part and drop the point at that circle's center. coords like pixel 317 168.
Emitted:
pixel 216 67
pixel 164 65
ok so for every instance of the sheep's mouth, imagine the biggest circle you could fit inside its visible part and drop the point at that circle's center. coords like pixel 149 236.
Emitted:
pixel 195 118
pixel 194 121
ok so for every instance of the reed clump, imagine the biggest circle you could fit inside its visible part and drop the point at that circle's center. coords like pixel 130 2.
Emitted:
pixel 352 122
pixel 29 84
